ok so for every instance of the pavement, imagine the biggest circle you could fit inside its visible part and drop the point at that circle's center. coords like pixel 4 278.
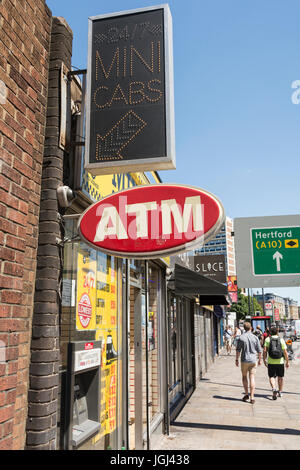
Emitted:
pixel 216 418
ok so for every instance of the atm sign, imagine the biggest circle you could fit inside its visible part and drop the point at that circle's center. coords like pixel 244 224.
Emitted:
pixel 152 221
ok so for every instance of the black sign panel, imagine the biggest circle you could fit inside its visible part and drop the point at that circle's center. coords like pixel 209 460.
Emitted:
pixel 128 109
pixel 212 266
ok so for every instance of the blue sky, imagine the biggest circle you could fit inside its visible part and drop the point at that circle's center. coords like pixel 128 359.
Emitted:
pixel 237 130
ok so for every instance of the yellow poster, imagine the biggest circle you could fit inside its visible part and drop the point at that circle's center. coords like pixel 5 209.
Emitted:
pixel 98 187
pixel 106 331
pixel 86 289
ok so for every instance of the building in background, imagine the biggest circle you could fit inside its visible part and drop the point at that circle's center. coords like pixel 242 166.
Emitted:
pixel 276 305
pixel 293 308
pixel 223 244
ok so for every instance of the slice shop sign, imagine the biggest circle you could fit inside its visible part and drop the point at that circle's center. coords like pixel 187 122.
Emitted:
pixel 152 221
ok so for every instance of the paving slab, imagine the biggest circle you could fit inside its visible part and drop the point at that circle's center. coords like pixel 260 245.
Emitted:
pixel 216 418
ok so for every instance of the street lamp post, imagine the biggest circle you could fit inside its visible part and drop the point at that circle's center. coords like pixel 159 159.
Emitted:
pixel 263 299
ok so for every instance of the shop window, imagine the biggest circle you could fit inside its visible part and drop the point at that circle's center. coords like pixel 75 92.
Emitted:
pixel 91 310
pixel 153 340
pixel 144 361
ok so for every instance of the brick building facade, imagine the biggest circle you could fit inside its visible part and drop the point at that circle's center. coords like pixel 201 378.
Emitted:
pixel 25 28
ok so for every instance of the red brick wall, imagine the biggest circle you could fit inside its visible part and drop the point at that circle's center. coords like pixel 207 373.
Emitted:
pixel 24 48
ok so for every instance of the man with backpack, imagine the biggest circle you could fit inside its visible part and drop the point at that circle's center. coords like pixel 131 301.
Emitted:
pixel 275 348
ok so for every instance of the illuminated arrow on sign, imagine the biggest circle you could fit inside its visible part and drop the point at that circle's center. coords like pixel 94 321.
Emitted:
pixel 278 256
pixel 109 146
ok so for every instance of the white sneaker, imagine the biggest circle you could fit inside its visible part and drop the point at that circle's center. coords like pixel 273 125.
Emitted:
pixel 279 394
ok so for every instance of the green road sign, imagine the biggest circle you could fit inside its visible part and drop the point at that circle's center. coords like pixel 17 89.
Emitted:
pixel 276 250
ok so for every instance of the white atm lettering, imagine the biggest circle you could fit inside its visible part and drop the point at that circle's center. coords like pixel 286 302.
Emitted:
pixel 191 205
pixel 112 225
pixel 141 211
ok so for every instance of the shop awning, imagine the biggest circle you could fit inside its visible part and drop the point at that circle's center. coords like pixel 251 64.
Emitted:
pixel 189 282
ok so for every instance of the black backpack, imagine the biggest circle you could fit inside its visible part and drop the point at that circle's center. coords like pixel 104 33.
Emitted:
pixel 275 349
pixel 258 334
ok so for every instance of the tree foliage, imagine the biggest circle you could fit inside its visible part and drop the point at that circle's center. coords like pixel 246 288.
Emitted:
pixel 241 307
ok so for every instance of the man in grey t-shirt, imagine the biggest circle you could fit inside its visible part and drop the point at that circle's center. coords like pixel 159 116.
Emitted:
pixel 249 347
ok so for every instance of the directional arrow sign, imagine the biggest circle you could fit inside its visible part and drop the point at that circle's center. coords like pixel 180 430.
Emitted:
pixel 120 135
pixel 275 250
pixel 267 251
pixel 278 257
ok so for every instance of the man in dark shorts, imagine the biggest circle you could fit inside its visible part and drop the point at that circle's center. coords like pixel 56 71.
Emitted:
pixel 275 366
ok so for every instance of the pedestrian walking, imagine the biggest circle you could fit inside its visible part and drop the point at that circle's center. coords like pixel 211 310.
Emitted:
pixel 248 348
pixel 259 333
pixel 265 335
pixel 276 350
pixel 236 336
pixel 228 338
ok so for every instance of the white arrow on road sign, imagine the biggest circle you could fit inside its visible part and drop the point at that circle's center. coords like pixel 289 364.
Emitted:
pixel 278 256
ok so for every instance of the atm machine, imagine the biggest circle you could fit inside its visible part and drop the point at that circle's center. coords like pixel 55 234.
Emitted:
pixel 82 393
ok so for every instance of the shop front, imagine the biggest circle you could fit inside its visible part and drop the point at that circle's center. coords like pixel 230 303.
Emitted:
pixel 112 343
pixel 147 353
pixel 193 330
pixel 219 318
pixel 128 360
pixel 91 314
pixel 181 351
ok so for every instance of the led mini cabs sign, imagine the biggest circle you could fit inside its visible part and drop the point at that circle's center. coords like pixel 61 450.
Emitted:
pixel 152 221
pixel 130 98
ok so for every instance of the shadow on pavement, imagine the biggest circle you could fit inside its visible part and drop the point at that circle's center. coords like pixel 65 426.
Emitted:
pixel 224 427
pixel 256 388
pixel 219 397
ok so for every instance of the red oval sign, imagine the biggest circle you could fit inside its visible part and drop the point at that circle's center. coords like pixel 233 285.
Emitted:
pixel 152 221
